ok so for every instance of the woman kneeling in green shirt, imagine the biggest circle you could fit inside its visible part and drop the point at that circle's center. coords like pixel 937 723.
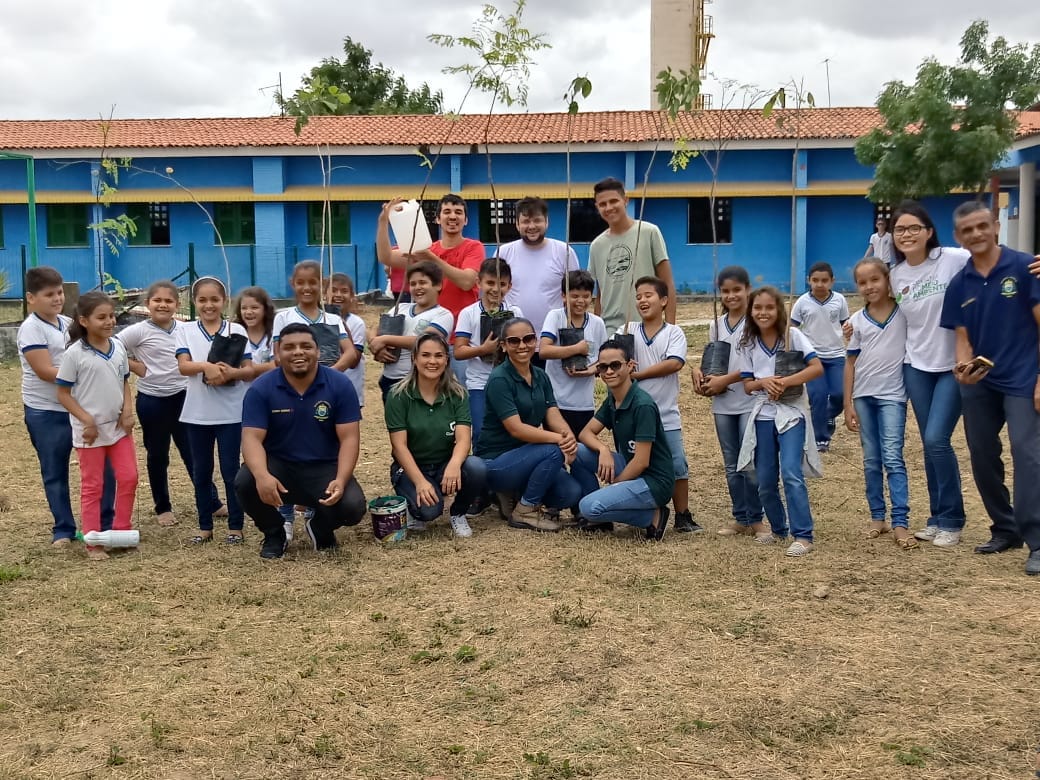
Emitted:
pixel 427 414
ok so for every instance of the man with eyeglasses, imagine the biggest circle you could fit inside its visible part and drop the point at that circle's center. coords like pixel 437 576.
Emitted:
pixel 639 476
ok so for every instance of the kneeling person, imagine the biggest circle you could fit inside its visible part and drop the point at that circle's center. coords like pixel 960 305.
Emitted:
pixel 428 416
pixel 639 476
pixel 300 442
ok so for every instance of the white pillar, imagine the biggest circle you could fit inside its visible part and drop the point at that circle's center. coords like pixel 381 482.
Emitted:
pixel 1027 207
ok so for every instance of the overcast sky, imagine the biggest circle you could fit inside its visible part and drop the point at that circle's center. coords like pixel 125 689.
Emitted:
pixel 189 58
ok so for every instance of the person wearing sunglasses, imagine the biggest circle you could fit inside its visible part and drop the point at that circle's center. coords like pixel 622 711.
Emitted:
pixel 640 475
pixel 427 414
pixel 525 442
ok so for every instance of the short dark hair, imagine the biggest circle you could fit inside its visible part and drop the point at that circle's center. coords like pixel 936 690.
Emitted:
pixel 578 280
pixel 618 344
pixel 427 268
pixel 496 267
pixel 42 277
pixel 821 267
pixel 736 273
pixel 657 284
pixel 297 327
pixel 532 207
pixel 607 184
pixel 968 208
pixel 451 199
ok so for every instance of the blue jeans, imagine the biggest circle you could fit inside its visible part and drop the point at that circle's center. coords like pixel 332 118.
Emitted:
pixel 474 477
pixel 535 471
pixel 476 411
pixel 882 425
pixel 985 412
pixel 458 367
pixel 936 401
pixel 743 487
pixel 51 435
pixel 778 456
pixel 629 502
pixel 228 439
pixel 675 444
pixel 160 424
pixel 826 396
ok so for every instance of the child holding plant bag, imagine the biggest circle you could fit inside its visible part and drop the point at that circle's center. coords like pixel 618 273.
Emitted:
pixel 779 437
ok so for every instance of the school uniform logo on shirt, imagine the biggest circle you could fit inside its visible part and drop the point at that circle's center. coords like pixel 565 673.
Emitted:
pixel 631 447
pixel 450 433
pixel 322 411
pixel 1009 287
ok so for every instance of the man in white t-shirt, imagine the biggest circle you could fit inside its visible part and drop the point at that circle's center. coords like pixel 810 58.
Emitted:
pixel 538 263
pixel 880 244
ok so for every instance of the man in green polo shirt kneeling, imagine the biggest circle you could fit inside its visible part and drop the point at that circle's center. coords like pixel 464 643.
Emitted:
pixel 639 477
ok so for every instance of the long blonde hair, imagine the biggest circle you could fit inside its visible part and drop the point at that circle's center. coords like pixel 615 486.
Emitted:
pixel 447 385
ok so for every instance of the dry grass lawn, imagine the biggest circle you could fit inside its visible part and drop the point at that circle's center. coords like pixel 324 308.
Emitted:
pixel 512 654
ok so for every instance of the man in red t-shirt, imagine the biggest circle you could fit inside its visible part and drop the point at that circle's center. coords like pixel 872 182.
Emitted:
pixel 458 257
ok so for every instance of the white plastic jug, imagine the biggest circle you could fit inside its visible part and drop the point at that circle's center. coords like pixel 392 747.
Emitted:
pixel 112 538
pixel 410 228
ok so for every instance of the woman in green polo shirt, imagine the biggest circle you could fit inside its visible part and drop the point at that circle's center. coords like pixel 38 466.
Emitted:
pixel 525 441
pixel 427 414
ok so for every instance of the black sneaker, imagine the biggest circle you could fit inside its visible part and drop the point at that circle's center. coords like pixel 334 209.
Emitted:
pixel 657 534
pixel 585 526
pixel 480 503
pixel 685 524
pixel 321 539
pixel 274 544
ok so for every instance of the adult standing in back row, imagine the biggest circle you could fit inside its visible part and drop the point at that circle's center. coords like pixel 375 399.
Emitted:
pixel 459 258
pixel 627 250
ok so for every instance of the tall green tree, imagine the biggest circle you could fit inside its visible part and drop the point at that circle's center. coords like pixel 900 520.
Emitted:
pixel 354 85
pixel 951 127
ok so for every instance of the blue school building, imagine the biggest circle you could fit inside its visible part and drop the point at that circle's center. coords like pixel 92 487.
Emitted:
pixel 245 198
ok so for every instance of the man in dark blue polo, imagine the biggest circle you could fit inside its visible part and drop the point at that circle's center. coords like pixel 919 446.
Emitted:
pixel 300 441
pixel 993 304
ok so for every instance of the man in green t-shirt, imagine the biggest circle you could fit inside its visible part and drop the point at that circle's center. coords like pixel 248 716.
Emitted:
pixel 627 250
pixel 640 475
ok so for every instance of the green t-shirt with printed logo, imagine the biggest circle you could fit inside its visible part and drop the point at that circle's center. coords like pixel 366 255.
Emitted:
pixel 430 427
pixel 637 419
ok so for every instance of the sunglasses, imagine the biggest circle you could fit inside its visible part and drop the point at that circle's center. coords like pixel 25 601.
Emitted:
pixel 614 365
pixel 516 341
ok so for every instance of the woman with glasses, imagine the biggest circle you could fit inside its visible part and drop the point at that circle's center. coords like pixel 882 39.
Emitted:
pixel 640 475
pixel 427 415
pixel 525 441
pixel 922 271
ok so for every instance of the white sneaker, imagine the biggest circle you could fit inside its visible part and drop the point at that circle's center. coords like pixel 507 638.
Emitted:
pixel 946 538
pixel 927 533
pixel 460 526
pixel 765 538
pixel 415 524
pixel 799 548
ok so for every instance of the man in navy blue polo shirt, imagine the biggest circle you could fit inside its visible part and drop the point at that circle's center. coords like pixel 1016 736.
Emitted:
pixel 993 304
pixel 300 443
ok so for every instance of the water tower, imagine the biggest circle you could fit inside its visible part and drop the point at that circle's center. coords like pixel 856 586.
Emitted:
pixel 680 33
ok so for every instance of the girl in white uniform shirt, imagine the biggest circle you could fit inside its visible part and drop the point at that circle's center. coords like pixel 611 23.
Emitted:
pixel 306 285
pixel 161 390
pixel 212 410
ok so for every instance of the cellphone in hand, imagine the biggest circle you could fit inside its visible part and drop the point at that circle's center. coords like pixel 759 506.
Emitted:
pixel 980 364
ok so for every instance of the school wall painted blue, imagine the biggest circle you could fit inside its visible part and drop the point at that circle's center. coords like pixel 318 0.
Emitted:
pixel 840 229
pixel 835 165
pixel 735 165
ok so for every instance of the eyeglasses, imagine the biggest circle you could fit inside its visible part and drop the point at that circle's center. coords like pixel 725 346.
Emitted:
pixel 908 230
pixel 614 365
pixel 516 341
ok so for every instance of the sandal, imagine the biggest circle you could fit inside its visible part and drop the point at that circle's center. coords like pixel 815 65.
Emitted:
pixel 234 539
pixel 907 542
pixel 200 539
pixel 875 531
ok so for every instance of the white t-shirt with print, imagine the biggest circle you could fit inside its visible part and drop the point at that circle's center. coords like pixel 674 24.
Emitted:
pixel 919 290
pixel 36 333
pixel 879 348
pixel 97 380
pixel 573 393
pixel 155 347
pixel 537 275
pixel 468 326
pixel 821 321
pixel 759 362
pixel 207 404
pixel 734 400
pixel 667 343
pixel 415 324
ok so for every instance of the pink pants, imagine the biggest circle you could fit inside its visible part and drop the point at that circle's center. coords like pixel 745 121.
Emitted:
pixel 92 477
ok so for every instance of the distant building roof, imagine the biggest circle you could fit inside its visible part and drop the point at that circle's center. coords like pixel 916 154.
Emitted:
pixel 415 130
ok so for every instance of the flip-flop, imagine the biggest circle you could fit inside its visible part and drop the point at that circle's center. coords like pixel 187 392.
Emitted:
pixel 234 539
pixel 200 539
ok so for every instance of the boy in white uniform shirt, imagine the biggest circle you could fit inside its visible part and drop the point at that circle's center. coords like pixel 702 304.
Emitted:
pixel 819 314
pixel 660 351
